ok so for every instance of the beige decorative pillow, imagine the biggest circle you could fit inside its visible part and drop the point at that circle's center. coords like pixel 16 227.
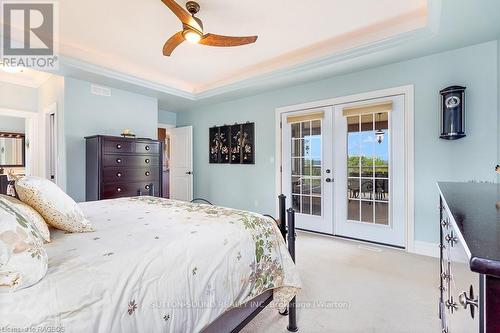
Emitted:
pixel 56 207
pixel 31 215
pixel 23 260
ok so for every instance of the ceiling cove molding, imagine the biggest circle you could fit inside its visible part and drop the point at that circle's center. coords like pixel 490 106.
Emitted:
pixel 324 63
pixel 68 63
pixel 318 65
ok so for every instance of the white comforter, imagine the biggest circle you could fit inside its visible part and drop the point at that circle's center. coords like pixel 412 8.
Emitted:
pixel 153 265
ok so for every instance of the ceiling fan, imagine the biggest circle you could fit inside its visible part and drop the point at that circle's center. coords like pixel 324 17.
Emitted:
pixel 192 30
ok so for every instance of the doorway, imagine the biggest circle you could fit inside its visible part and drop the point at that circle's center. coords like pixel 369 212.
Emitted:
pixel 346 166
pixel 164 136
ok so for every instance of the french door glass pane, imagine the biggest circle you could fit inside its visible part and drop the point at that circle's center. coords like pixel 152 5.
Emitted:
pixel 353 210
pixel 316 206
pixel 306 205
pixel 306 167
pixel 367 211
pixel 382 213
pixel 368 183
pixel 296 167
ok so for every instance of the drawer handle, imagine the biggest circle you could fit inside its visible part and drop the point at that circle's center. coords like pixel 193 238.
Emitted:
pixel 119 174
pixel 452 305
pixel 119 189
pixel 147 187
pixel 118 146
pixel 470 301
pixel 450 238
pixel 446 276
pixel 148 148
pixel 147 160
pixel 118 160
pixel 147 173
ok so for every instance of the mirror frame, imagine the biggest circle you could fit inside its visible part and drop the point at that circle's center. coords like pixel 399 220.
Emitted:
pixel 23 137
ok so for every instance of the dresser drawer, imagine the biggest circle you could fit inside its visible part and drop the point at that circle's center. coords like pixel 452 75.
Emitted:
pixel 460 286
pixel 122 174
pixel 147 147
pixel 132 189
pixel 112 146
pixel 130 161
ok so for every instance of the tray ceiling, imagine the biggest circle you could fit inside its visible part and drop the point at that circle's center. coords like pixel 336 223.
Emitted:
pixel 127 36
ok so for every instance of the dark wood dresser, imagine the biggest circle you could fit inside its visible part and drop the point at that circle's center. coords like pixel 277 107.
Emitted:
pixel 469 257
pixel 122 167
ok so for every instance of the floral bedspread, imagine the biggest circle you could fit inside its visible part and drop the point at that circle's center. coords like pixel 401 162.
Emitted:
pixel 154 265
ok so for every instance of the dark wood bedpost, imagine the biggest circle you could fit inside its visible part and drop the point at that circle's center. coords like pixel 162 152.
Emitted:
pixel 292 311
pixel 282 214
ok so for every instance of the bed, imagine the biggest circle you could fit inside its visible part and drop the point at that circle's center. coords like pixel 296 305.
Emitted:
pixel 157 265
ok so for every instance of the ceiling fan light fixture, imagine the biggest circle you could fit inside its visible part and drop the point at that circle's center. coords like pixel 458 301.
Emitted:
pixel 192 36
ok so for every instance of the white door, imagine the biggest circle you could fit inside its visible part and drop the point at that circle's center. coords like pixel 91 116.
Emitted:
pixel 181 163
pixel 369 169
pixel 307 167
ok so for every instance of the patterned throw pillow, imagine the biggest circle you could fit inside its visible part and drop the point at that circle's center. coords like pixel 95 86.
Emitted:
pixel 56 207
pixel 23 260
pixel 31 215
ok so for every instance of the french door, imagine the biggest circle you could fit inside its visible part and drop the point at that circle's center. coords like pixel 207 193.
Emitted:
pixel 307 167
pixel 343 169
pixel 370 170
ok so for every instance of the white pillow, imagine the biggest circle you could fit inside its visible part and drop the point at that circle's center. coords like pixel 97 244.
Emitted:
pixel 31 215
pixel 23 260
pixel 56 207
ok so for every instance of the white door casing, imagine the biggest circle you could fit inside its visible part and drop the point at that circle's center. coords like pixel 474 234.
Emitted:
pixel 181 163
pixel 50 141
pixel 407 127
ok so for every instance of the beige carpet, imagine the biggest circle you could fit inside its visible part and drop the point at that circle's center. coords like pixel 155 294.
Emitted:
pixel 351 287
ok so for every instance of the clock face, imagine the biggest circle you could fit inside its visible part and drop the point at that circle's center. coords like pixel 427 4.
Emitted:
pixel 452 102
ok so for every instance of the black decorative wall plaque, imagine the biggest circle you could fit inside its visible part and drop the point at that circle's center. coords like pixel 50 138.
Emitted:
pixel 233 144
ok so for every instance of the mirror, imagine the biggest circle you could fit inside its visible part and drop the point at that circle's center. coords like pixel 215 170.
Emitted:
pixel 12 151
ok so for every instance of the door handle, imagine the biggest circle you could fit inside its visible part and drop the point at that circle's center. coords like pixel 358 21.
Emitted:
pixel 189 173
pixel 328 180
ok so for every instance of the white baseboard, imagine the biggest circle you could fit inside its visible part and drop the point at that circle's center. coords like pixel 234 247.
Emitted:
pixel 426 249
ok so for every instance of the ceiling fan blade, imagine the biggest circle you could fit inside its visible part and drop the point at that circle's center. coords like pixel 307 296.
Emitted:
pixel 225 41
pixel 172 43
pixel 182 14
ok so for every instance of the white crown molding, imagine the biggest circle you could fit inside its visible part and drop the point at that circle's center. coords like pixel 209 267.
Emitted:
pixel 68 63
pixel 321 64
pixel 316 65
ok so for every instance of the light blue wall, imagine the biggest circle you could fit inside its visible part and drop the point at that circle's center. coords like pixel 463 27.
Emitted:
pixel 11 124
pixel 167 117
pixel 13 96
pixel 86 114
pixel 252 187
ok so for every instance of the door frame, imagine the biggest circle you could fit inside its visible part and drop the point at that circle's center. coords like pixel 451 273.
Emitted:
pixel 166 127
pixel 408 92
pixel 50 109
pixel 33 161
